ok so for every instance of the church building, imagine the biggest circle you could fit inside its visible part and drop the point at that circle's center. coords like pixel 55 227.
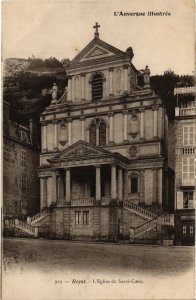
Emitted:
pixel 103 165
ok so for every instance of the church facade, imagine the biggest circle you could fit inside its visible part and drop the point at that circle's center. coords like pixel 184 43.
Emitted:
pixel 103 166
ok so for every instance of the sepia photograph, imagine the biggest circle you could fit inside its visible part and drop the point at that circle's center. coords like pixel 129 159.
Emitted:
pixel 98 150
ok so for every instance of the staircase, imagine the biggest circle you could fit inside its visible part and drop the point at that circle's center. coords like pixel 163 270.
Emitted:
pixel 24 227
pixel 148 230
pixel 38 217
pixel 138 210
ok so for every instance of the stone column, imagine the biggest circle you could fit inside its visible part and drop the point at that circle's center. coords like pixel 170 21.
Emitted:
pixel 73 87
pixel 111 129
pixel 142 110
pixel 55 126
pixel 54 186
pixel 120 187
pixel 44 124
pixel 98 182
pixel 69 89
pixel 125 187
pixel 125 125
pixel 160 186
pixel 125 68
pixel 68 185
pixel 111 92
pixel 155 122
pixel 142 187
pixel 69 120
pixel 97 136
pixel 155 186
pixel 83 86
pixel 113 182
pixel 43 191
pixel 82 127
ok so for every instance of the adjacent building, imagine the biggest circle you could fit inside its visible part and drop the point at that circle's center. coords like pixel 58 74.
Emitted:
pixel 20 162
pixel 185 114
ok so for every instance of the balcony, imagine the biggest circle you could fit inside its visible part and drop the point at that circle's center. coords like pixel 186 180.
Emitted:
pixel 183 112
pixel 188 182
pixel 89 201
pixel 188 150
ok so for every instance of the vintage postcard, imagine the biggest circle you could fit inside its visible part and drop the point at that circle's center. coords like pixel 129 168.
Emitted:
pixel 98 143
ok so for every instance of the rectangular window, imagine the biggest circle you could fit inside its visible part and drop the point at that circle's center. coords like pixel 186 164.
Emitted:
pixel 77 217
pixel 23 182
pixel 188 166
pixel 23 157
pixel 85 217
pixel 188 136
pixel 191 230
pixel 187 199
pixel 134 185
pixel 184 229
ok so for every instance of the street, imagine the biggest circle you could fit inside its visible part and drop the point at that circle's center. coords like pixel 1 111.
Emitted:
pixel 66 263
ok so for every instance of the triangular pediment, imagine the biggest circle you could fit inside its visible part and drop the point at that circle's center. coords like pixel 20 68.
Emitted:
pixel 80 149
pixel 96 49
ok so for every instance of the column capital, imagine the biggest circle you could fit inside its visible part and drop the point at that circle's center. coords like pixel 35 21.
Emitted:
pixel 97 166
pixel 44 123
pixel 82 118
pixel 110 113
pixel 69 119
pixel 155 108
pixel 111 69
pixel 125 66
pixel 69 77
pixel 82 74
pixel 142 109
pixel 55 121
pixel 125 112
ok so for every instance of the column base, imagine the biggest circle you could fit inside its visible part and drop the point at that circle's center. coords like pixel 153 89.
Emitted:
pixel 155 138
pixel 110 143
pixel 125 141
pixel 45 150
pixel 56 149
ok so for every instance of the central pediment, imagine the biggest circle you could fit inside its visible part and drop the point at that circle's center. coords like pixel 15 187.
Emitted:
pixel 96 49
pixel 80 149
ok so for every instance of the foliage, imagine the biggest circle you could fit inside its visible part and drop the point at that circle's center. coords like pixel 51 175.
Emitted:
pixel 164 85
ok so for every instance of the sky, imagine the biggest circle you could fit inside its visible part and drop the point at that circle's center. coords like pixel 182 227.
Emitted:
pixel 62 29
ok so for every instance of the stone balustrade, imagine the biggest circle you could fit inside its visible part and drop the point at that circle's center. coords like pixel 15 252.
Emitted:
pixel 105 200
pixel 139 210
pixel 82 201
pixel 38 216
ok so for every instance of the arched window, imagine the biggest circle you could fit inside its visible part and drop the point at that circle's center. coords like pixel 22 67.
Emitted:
pixel 93 134
pixel 102 134
pixel 97 87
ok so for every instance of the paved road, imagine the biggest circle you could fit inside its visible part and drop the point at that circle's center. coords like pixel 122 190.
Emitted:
pixel 64 255
pixel 53 270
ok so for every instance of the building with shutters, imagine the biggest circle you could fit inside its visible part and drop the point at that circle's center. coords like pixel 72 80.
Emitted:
pixel 103 165
pixel 185 114
pixel 20 162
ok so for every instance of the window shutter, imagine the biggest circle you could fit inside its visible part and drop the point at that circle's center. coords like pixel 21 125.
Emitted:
pixel 179 200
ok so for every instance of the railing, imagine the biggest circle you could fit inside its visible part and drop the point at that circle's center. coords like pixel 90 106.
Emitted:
pixel 168 220
pixel 22 225
pixel 191 111
pixel 82 201
pixel 188 150
pixel 139 210
pixel 25 226
pixel 143 228
pixel 105 200
pixel 38 216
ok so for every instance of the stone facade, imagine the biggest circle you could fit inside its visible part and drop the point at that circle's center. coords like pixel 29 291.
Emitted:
pixel 20 161
pixel 185 165
pixel 103 143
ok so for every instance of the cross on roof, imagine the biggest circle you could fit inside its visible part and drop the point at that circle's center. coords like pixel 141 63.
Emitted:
pixel 96 30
